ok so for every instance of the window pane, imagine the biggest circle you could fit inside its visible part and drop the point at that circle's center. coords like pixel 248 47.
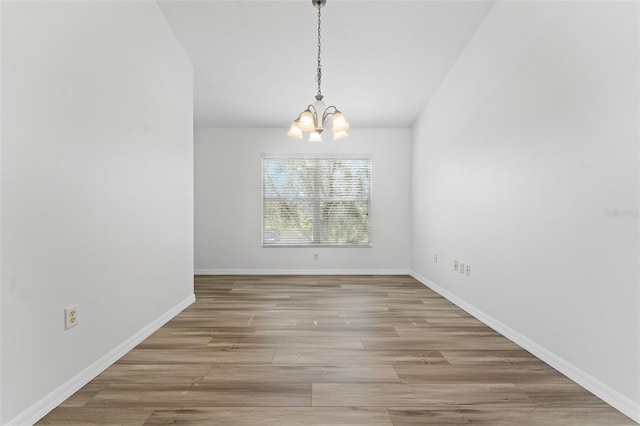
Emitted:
pixel 287 222
pixel 345 222
pixel 316 201
pixel 345 178
pixel 287 178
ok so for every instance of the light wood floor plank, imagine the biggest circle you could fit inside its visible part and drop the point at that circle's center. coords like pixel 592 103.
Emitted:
pixel 356 357
pixel 274 416
pixel 440 341
pixel 170 374
pixel 302 374
pixel 204 394
pixel 467 374
pixel 98 416
pixel 329 331
pixel 490 416
pixel 190 356
pixel 294 342
pixel 416 394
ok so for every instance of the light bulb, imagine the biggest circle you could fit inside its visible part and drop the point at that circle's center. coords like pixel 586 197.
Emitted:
pixel 306 121
pixel 315 137
pixel 295 131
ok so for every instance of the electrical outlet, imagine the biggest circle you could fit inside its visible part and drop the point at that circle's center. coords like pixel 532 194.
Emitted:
pixel 467 270
pixel 70 317
pixel 455 265
pixel 435 257
pixel 315 256
pixel 461 268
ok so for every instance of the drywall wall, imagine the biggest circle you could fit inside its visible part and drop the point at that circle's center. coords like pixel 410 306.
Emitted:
pixel 0 215
pixel 97 189
pixel 228 203
pixel 525 166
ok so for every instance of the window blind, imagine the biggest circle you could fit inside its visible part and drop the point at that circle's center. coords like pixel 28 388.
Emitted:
pixel 316 201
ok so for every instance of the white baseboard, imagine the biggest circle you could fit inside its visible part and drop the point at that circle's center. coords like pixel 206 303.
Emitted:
pixel 40 409
pixel 301 272
pixel 612 397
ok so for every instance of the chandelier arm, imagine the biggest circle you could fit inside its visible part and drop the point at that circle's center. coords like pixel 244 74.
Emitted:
pixel 327 113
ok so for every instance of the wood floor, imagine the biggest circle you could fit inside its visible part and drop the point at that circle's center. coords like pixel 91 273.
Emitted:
pixel 332 350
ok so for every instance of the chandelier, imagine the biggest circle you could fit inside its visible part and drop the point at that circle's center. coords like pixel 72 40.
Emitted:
pixel 315 118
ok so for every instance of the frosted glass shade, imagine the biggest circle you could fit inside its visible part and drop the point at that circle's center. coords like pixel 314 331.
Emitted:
pixel 339 122
pixel 315 137
pixel 295 131
pixel 307 123
pixel 341 134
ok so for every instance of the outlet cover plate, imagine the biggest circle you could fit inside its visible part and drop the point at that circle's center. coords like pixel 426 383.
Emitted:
pixel 70 317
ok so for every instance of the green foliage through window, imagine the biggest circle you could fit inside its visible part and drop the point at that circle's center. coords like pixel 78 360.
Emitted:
pixel 309 201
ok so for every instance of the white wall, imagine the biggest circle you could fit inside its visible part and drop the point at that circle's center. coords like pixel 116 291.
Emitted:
pixel 519 161
pixel 228 203
pixel 97 190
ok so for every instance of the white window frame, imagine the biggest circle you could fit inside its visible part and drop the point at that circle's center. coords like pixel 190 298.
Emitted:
pixel 316 209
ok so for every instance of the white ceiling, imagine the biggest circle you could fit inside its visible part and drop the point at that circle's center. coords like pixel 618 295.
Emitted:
pixel 255 61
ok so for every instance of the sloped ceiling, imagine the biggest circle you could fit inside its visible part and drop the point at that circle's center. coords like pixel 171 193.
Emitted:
pixel 255 61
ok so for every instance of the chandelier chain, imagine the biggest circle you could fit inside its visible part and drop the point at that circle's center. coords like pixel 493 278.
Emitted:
pixel 319 75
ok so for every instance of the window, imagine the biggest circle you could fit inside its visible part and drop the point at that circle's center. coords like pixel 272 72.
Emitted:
pixel 316 201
